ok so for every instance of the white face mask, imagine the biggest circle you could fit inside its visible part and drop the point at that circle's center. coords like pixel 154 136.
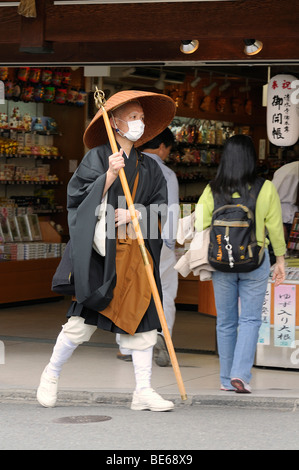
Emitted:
pixel 136 129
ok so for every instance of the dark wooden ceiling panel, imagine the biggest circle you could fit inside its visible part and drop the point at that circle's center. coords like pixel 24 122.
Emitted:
pixel 167 21
pixel 150 32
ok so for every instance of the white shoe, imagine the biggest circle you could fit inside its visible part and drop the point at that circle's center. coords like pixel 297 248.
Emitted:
pixel 47 390
pixel 148 399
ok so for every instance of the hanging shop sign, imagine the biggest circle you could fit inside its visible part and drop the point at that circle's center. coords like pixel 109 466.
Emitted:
pixel 283 110
pixel 284 315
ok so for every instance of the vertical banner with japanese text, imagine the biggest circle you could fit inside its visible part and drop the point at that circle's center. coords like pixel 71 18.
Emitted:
pixel 284 315
pixel 282 112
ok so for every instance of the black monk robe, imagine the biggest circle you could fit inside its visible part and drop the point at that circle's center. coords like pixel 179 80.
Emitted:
pixel 95 275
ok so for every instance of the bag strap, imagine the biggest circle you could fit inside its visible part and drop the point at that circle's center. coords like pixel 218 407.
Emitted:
pixel 136 173
pixel 257 186
pixel 135 186
pixel 124 239
pixel 251 202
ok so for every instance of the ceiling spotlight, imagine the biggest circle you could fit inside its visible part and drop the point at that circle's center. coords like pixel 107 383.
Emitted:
pixel 128 72
pixel 225 86
pixel 196 80
pixel 188 47
pixel 159 84
pixel 242 89
pixel 252 46
pixel 207 89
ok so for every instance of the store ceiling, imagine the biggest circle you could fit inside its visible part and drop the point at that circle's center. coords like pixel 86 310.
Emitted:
pixel 148 34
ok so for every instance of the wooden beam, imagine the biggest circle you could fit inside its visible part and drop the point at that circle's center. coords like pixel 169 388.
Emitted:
pixel 152 22
pixel 10 26
pixel 151 32
pixel 128 52
pixel 33 31
pixel 166 21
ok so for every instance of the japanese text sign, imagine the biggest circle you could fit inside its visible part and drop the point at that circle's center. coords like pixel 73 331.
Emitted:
pixel 284 315
pixel 282 110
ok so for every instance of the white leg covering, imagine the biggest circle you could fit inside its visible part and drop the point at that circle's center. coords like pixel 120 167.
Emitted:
pixel 142 362
pixel 62 351
pixel 140 341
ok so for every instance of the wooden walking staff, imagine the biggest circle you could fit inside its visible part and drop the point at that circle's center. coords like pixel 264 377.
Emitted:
pixel 100 103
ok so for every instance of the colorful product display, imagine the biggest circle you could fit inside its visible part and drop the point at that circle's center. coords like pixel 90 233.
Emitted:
pixel 37 144
pixel 42 85
pixel 27 123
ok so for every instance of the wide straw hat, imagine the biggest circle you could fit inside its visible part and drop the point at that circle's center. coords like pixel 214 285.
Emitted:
pixel 159 110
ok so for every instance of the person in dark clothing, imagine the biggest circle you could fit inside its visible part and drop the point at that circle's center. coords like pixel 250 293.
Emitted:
pixel 111 291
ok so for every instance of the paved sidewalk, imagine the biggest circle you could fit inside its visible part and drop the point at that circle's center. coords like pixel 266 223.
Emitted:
pixel 95 375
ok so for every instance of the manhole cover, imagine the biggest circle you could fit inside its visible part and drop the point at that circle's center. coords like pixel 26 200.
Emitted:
pixel 82 419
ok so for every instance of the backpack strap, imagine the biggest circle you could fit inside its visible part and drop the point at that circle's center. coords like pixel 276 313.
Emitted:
pixel 255 188
pixel 251 203
pixel 253 194
pixel 258 184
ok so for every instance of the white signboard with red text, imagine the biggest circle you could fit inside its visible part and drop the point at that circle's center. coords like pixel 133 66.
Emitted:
pixel 283 110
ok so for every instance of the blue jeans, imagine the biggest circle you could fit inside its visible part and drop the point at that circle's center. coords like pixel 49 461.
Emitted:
pixel 237 335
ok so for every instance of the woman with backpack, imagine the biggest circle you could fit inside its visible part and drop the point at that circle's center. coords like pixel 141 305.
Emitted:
pixel 238 284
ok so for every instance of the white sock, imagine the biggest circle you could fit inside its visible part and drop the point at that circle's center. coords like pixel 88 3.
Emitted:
pixel 62 351
pixel 142 362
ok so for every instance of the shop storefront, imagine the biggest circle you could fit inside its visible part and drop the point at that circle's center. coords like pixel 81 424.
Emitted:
pixel 42 120
pixel 45 111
